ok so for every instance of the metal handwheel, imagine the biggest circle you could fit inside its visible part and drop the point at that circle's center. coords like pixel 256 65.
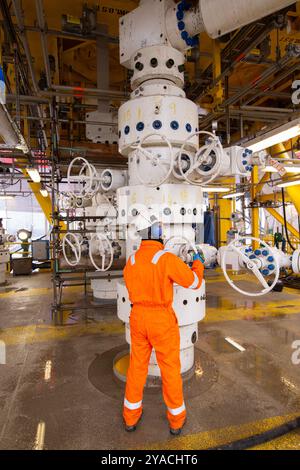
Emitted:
pixel 202 157
pixel 72 240
pixel 142 155
pixel 87 178
pixel 177 237
pixel 105 250
pixel 253 265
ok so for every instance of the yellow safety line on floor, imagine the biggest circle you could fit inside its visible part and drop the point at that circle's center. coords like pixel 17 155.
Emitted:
pixel 218 437
pixel 263 310
pixel 33 292
pixel 42 333
pixel 227 311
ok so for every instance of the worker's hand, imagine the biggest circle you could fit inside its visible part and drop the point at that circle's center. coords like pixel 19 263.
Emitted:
pixel 199 257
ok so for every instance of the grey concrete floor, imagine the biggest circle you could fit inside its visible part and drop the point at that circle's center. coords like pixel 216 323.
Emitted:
pixel 60 380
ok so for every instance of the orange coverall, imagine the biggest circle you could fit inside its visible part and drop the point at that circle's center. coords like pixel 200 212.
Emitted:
pixel 149 277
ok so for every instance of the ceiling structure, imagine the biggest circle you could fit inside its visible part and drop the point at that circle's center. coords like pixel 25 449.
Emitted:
pixel 242 82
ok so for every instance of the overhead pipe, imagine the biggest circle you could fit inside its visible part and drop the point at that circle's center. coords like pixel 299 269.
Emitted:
pixel 20 22
pixel 26 99
pixel 73 90
pixel 10 133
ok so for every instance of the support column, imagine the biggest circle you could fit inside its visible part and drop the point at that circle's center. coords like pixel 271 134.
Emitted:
pixel 217 70
pixel 226 207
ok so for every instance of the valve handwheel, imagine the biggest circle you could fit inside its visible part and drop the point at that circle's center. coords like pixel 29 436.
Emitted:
pixel 180 239
pixel 252 265
pixel 72 241
pixel 142 155
pixel 105 249
pixel 87 177
pixel 202 158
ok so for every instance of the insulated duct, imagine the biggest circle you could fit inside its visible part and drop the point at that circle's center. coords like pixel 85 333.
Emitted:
pixel 10 133
pixel 218 17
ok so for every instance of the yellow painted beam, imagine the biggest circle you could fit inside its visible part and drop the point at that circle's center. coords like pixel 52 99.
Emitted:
pixel 217 70
pixel 44 202
pixel 271 197
pixel 226 209
pixel 280 219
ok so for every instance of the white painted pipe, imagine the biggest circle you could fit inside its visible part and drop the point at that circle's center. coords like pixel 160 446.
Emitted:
pixel 7 131
pixel 218 17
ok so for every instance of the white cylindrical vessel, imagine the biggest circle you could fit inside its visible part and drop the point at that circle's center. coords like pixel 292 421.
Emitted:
pixel 104 289
pixel 4 259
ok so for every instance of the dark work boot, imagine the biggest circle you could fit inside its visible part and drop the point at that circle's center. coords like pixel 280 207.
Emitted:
pixel 177 432
pixel 133 428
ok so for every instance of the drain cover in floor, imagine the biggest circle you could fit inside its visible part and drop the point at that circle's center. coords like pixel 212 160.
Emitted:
pixel 102 377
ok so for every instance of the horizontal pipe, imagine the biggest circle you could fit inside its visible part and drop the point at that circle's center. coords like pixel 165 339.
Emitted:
pixel 68 121
pixel 90 91
pixel 266 109
pixel 26 99
pixel 221 17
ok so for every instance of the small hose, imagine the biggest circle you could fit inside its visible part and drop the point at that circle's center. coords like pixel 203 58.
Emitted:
pixel 285 224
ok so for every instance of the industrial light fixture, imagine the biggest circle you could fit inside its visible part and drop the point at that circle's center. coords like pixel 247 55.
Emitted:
pixel 233 195
pixel 6 197
pixel 274 137
pixel 44 192
pixel 287 184
pixel 24 235
pixel 288 169
pixel 34 174
pixel 216 190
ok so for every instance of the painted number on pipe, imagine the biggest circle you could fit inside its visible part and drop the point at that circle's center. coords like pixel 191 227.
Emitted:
pixel 296 354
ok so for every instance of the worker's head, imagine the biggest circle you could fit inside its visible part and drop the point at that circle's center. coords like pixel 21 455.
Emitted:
pixel 153 232
pixel 148 226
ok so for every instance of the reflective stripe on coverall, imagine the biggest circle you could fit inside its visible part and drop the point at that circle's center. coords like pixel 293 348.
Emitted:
pixel 149 276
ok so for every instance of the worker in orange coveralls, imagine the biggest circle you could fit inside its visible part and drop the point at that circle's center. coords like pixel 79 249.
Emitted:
pixel 149 276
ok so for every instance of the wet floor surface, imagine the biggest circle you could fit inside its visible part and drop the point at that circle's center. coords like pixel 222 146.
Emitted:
pixel 58 391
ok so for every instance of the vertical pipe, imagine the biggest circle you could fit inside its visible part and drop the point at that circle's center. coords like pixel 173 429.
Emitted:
pixel 255 210
pixel 102 66
pixel 225 212
pixel 293 191
pixel 42 25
